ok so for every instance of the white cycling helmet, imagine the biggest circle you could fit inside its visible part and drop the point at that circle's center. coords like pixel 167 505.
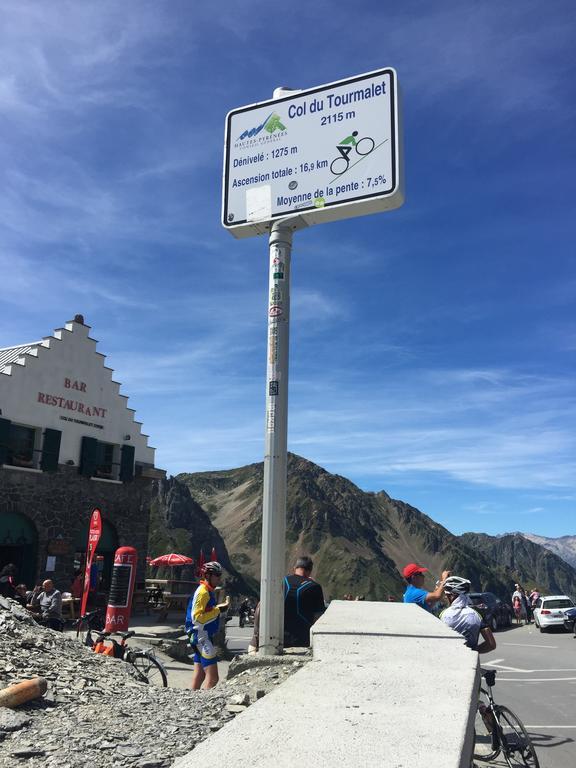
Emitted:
pixel 456 585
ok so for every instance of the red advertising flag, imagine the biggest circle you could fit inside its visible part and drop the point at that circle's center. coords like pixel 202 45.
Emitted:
pixel 201 561
pixel 213 555
pixel 93 538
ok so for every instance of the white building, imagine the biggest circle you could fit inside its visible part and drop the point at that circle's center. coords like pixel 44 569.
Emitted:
pixel 68 443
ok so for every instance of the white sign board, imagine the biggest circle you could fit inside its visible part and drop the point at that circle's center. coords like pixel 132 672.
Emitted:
pixel 323 154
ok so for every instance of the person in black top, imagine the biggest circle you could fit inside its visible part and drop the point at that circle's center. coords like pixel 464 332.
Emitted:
pixel 303 603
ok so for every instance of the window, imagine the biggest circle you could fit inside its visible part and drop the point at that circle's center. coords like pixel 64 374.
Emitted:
pixel 18 444
pixel 29 447
pixel 561 603
pixel 105 460
pixel 21 446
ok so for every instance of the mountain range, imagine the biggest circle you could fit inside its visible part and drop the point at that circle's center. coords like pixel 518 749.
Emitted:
pixel 179 524
pixel 564 546
pixel 359 540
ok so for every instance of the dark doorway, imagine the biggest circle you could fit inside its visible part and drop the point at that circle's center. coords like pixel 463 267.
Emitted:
pixel 19 545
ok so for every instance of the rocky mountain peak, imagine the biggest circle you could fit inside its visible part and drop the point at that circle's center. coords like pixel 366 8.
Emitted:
pixel 359 541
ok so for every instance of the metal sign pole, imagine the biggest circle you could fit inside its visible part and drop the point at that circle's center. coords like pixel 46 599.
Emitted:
pixel 275 458
pixel 302 158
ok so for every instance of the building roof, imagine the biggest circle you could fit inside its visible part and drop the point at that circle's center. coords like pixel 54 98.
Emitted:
pixel 9 355
pixel 15 363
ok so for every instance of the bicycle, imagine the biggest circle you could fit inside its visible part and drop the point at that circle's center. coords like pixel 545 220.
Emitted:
pixel 362 146
pixel 507 733
pixel 149 669
pixel 91 620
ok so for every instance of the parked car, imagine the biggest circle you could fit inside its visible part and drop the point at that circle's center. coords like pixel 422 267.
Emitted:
pixel 570 620
pixel 494 611
pixel 549 611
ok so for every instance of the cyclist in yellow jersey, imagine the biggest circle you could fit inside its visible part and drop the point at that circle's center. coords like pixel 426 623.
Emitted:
pixel 202 621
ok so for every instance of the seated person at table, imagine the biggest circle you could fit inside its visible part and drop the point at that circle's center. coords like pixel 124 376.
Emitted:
pixel 48 600
pixel 23 594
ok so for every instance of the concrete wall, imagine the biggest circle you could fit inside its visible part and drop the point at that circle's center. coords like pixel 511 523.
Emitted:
pixel 389 685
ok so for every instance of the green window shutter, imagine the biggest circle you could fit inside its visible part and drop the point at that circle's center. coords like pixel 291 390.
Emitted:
pixel 88 456
pixel 4 439
pixel 50 450
pixel 127 463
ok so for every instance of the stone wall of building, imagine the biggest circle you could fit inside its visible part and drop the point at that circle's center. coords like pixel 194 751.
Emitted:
pixel 59 505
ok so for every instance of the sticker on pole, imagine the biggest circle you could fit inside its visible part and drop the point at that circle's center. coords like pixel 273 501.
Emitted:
pixel 323 154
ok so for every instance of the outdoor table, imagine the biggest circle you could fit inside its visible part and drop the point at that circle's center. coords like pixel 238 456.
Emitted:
pixel 69 606
pixel 173 602
pixel 157 582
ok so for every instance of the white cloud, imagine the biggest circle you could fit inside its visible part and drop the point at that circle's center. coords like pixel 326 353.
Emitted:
pixel 444 425
pixel 381 435
pixel 313 305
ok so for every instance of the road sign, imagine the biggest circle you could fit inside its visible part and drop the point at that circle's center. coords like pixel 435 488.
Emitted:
pixel 322 154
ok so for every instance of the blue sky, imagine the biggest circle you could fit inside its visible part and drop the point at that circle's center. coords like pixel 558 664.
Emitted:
pixel 432 348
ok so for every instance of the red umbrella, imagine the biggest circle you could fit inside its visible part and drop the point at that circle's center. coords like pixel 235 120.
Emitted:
pixel 172 559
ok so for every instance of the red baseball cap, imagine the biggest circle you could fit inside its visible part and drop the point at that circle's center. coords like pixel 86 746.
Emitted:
pixel 411 569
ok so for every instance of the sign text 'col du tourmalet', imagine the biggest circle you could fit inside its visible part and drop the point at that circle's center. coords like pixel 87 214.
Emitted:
pixel 322 154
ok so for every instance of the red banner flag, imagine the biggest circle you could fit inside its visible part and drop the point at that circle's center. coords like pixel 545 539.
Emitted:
pixel 213 555
pixel 93 538
pixel 201 562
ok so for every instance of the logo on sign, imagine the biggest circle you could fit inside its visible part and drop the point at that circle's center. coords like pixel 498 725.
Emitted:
pixel 275 311
pixel 272 124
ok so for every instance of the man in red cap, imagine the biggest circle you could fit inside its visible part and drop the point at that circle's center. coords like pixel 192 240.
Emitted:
pixel 414 575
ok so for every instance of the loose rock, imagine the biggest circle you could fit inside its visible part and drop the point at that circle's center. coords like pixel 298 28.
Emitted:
pixel 12 721
pixel 241 699
pixel 97 712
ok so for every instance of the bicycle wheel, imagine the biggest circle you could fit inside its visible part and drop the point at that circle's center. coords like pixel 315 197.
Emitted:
pixel 517 746
pixel 339 166
pixel 149 669
pixel 367 145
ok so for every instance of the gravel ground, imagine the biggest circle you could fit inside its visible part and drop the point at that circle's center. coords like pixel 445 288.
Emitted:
pixel 97 712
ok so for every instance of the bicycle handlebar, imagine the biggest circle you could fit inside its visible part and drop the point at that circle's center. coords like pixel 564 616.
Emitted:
pixel 104 635
pixel 90 615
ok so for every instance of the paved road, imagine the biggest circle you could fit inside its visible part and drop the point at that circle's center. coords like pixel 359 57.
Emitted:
pixel 237 638
pixel 537 680
pixel 180 673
